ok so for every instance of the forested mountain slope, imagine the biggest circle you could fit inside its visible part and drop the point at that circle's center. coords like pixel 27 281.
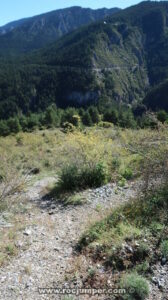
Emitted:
pixel 118 59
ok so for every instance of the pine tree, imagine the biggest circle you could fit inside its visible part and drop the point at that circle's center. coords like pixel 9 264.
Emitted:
pixel 14 125
pixel 111 116
pixel 162 116
pixel 50 116
pixel 32 121
pixel 4 129
pixel 93 111
pixel 86 119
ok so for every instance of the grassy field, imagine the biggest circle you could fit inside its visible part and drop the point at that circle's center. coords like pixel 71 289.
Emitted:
pixel 122 154
pixel 48 151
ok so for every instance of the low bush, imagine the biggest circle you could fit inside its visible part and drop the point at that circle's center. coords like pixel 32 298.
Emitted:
pixel 142 251
pixel 127 174
pixel 68 127
pixel 10 249
pixel 75 178
pixel 69 178
pixel 95 176
pixel 122 182
pixel 164 249
pixel 105 124
pixel 116 164
pixel 136 287
pixel 156 228
pixel 143 268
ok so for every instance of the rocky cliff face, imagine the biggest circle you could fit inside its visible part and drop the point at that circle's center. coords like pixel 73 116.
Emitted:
pixel 120 62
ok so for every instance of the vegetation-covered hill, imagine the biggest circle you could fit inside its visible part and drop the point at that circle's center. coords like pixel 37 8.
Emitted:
pixel 33 33
pixel 116 59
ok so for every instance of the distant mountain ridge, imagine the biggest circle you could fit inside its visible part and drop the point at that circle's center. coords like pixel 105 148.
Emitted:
pixel 33 33
pixel 11 26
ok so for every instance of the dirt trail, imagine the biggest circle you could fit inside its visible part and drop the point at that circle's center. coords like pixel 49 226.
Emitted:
pixel 46 244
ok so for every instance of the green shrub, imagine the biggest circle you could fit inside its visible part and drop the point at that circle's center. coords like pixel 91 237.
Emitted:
pixel 19 140
pixel 127 174
pixel 122 182
pixel 68 127
pixel 10 249
pixel 4 128
pixel 69 178
pixel 164 248
pixel 46 164
pixel 74 178
pixel 111 116
pixel 105 124
pixel 142 251
pixel 156 228
pixel 116 163
pixel 13 125
pixel 91 272
pixel 94 113
pixel 95 176
pixel 142 268
pixel 136 287
pixel 162 116
pixel 86 119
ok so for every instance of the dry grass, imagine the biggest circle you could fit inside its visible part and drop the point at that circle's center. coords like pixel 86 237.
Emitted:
pixel 9 238
pixel 28 270
pixel 50 150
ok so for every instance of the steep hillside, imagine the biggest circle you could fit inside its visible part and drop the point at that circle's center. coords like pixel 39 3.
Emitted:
pixel 119 58
pixel 33 33
pixel 157 98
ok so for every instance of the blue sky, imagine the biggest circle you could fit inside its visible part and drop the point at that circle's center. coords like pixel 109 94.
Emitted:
pixel 11 10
